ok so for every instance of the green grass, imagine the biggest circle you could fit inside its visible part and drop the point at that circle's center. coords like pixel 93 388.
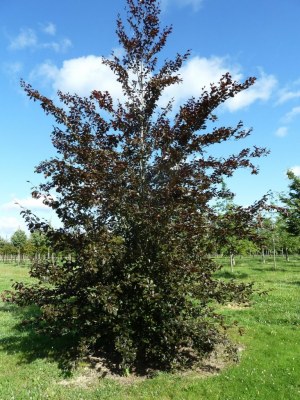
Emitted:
pixel 269 367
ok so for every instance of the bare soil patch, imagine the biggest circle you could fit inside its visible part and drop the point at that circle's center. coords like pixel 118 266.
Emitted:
pixel 97 371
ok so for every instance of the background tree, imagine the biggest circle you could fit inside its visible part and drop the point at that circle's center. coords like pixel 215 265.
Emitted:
pixel 7 250
pixel 134 185
pixel 292 202
pixel 236 227
pixel 269 235
pixel 19 240
pixel 39 243
pixel 287 243
pixel 3 244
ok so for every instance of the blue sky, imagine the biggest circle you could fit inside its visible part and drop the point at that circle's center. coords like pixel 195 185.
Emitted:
pixel 57 45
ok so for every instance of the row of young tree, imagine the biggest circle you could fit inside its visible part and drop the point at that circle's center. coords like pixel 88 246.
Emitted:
pixel 137 192
pixel 268 237
pixel 274 230
pixel 21 248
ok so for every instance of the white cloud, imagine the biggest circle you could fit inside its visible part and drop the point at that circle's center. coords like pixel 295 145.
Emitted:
pixel 80 75
pixel 199 72
pixel 50 29
pixel 26 38
pixel 29 203
pixel 286 95
pixel 282 131
pixel 47 72
pixel 296 170
pixel 292 114
pixel 196 73
pixel 11 220
pixel 289 92
pixel 13 68
pixel 85 74
pixel 8 225
pixel 196 4
pixel 58 47
pixel 261 90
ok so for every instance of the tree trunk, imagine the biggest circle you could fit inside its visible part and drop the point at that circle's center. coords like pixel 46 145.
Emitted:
pixel 263 255
pixel 232 261
pixel 274 253
pixel 287 255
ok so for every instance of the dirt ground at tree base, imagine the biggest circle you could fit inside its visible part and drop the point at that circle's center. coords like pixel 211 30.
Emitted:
pixel 92 374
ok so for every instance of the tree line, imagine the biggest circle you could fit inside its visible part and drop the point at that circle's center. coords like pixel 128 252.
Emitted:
pixel 21 248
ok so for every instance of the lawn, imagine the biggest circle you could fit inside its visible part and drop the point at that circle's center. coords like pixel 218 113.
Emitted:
pixel 269 366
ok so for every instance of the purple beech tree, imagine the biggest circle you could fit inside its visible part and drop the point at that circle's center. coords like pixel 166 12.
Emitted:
pixel 134 185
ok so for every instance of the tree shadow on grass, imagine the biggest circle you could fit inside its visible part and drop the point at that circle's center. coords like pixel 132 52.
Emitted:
pixel 30 346
pixel 296 283
pixel 292 283
pixel 231 275
pixel 258 269
pixel 268 269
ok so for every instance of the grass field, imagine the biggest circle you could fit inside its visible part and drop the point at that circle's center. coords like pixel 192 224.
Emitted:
pixel 269 367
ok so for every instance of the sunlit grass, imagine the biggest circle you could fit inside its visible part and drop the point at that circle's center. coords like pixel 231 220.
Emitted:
pixel 269 367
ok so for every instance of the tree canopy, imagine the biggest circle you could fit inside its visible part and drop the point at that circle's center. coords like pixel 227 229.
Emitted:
pixel 19 239
pixel 133 184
